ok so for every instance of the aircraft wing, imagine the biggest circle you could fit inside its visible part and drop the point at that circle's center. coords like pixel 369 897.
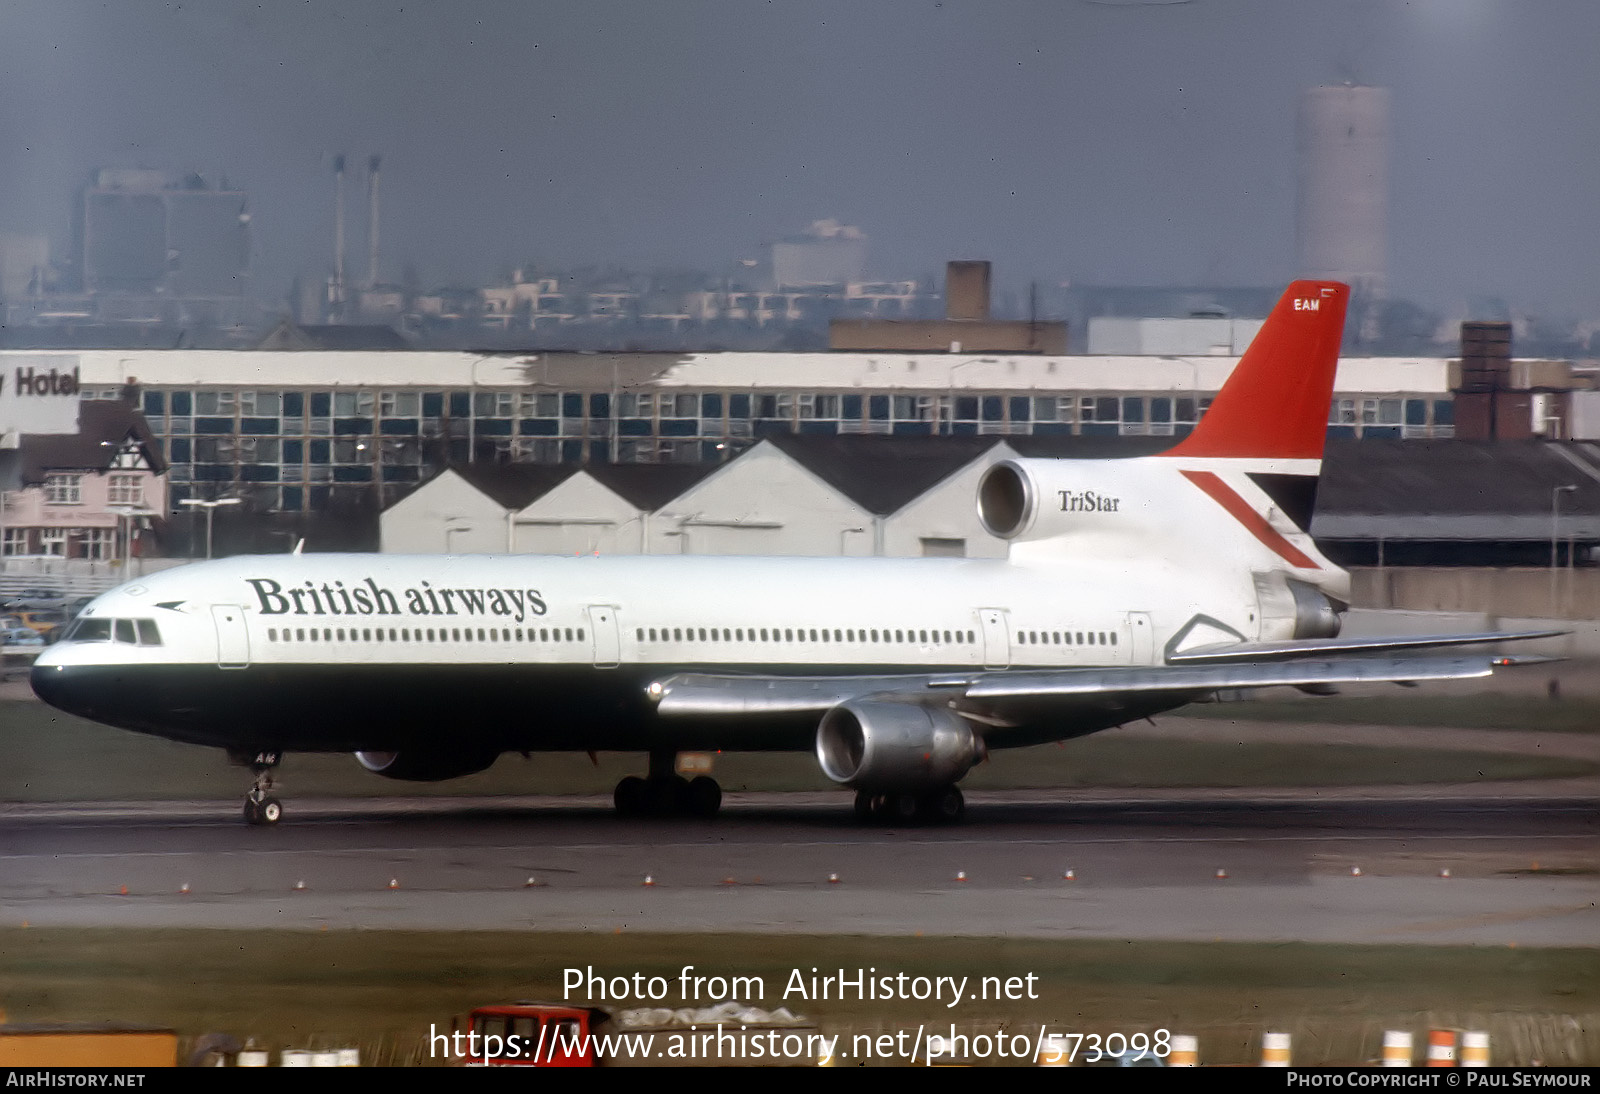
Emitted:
pixel 704 694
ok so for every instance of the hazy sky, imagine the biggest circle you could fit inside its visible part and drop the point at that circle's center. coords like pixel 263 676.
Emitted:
pixel 1098 142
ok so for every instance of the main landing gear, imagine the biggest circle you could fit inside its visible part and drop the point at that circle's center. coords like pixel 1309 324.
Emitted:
pixel 665 793
pixel 261 806
pixel 945 805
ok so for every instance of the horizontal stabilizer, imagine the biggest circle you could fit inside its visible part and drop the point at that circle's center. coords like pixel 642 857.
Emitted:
pixel 1334 647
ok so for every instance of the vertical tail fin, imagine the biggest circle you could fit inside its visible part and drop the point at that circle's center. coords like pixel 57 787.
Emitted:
pixel 1275 405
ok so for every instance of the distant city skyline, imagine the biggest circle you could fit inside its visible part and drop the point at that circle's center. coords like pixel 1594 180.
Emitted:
pixel 1093 143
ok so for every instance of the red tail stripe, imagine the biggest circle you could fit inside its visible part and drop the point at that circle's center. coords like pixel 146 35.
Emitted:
pixel 1241 511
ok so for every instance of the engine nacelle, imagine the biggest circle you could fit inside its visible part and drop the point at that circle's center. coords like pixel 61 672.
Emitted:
pixel 1040 499
pixel 1316 614
pixel 426 767
pixel 869 744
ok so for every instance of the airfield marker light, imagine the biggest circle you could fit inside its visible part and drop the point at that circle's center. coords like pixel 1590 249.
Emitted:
pixel 1355 871
pixel 394 883
pixel 300 886
pixel 183 890
pixel 1445 872
pixel 1475 1048
pixel 122 890
pixel 961 875
pixel 1185 1051
pixel 1442 1048
pixel 531 883
pixel 833 879
pixel 1070 875
pixel 1222 875
pixel 649 881
pixel 729 881
pixel 1396 1048
pixel 1274 1050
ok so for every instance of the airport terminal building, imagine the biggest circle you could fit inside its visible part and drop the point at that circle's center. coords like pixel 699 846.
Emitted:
pixel 293 431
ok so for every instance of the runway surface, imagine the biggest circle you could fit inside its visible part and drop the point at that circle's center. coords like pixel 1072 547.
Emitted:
pixel 1309 865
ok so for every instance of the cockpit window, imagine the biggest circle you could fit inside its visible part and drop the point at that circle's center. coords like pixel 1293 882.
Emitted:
pixel 141 632
pixel 90 630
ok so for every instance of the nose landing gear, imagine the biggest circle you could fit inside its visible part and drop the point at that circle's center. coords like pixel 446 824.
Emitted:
pixel 261 805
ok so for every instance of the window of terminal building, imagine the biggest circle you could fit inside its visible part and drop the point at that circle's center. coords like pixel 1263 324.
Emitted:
pixel 213 402
pixel 399 404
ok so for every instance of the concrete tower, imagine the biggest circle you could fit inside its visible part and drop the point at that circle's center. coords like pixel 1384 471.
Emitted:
pixel 1342 223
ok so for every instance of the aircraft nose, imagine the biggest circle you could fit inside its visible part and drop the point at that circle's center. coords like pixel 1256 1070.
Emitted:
pixel 51 683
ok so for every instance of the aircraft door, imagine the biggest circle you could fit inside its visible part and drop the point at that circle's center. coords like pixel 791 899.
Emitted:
pixel 233 641
pixel 1142 640
pixel 607 638
pixel 996 638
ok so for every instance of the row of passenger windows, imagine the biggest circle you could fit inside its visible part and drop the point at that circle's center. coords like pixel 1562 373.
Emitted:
pixel 1067 638
pixel 425 634
pixel 99 630
pixel 133 632
pixel 869 635
pixel 790 634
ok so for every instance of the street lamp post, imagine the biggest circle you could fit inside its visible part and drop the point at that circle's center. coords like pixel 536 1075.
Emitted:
pixel 1555 511
pixel 210 507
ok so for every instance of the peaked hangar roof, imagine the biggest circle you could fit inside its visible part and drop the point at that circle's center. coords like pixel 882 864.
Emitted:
pixel 882 474
pixel 646 486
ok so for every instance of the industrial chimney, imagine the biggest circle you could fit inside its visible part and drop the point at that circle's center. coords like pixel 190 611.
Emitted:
pixel 337 295
pixel 373 163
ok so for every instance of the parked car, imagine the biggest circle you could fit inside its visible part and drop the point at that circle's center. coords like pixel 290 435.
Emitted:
pixel 20 641
pixel 37 598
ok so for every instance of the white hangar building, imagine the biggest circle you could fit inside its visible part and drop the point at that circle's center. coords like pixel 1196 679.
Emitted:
pixel 788 495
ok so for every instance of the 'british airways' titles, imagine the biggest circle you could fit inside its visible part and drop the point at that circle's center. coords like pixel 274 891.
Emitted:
pixel 370 598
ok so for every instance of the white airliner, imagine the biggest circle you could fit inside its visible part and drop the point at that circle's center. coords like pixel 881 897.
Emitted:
pixel 1133 586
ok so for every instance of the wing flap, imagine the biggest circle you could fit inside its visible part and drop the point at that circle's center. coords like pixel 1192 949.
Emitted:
pixel 1203 678
pixel 1334 647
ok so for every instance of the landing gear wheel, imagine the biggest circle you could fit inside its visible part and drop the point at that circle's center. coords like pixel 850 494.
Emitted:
pixel 271 811
pixel 901 808
pixel 669 796
pixel 945 806
pixel 703 797
pixel 632 797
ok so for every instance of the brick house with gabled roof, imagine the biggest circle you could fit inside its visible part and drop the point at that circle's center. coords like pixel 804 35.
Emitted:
pixel 99 493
